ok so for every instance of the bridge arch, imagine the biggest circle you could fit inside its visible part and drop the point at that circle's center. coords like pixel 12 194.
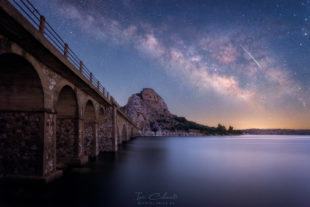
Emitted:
pixel 16 50
pixel 89 128
pixel 21 85
pixel 21 117
pixel 66 126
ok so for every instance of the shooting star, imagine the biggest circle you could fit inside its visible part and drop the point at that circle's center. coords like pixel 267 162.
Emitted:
pixel 251 56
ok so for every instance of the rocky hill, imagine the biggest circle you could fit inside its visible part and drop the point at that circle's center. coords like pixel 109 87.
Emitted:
pixel 151 114
pixel 149 111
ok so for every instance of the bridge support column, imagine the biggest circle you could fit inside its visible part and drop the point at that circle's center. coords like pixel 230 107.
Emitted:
pixel 82 159
pixel 96 141
pixel 29 152
pixel 114 130
pixel 49 149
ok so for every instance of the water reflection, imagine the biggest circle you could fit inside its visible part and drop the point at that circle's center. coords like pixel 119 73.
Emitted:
pixel 200 171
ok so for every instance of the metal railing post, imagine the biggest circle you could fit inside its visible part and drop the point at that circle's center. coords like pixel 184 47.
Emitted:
pixel 98 85
pixel 91 77
pixel 66 50
pixel 81 66
pixel 42 24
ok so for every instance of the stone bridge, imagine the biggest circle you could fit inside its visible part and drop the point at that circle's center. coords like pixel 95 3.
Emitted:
pixel 53 112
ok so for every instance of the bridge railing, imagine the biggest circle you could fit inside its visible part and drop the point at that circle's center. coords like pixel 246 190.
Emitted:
pixel 39 22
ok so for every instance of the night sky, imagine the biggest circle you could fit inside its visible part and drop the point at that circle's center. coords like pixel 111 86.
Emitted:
pixel 241 63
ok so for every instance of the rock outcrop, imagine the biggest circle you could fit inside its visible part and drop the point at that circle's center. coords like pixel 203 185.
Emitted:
pixel 152 116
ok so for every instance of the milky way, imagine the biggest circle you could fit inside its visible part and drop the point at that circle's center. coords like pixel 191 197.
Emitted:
pixel 244 63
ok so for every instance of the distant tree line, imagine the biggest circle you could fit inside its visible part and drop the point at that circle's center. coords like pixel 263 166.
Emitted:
pixel 185 125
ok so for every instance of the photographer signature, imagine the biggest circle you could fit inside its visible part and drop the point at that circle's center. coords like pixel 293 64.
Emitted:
pixel 156 196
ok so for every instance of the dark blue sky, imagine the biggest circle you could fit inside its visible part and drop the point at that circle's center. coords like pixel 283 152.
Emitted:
pixel 244 63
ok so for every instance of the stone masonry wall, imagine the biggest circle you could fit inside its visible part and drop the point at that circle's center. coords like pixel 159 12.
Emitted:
pixel 66 140
pixel 50 143
pixel 89 137
pixel 105 131
pixel 20 143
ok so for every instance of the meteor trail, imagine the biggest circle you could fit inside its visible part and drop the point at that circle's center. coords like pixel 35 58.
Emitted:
pixel 251 56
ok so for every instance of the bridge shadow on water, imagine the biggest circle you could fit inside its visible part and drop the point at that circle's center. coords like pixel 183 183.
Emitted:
pixel 89 185
pixel 98 183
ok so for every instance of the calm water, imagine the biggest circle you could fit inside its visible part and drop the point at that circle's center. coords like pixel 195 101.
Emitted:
pixel 240 171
